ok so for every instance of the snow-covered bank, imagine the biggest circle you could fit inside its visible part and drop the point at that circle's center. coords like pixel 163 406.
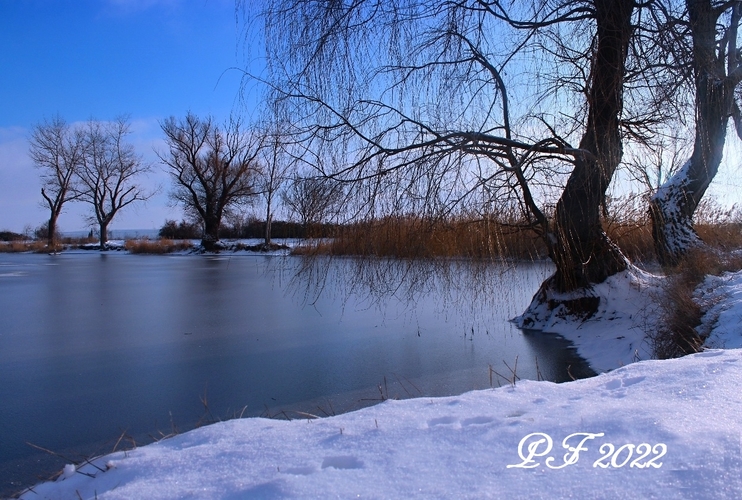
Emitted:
pixel 674 426
pixel 247 245
pixel 616 335
pixel 721 296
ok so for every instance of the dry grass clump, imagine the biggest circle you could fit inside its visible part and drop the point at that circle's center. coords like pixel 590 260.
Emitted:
pixel 635 238
pixel 725 236
pixel 681 314
pixel 27 246
pixel 161 246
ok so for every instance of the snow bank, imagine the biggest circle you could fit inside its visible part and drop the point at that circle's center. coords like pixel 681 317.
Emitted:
pixel 722 297
pixel 673 425
pixel 616 335
pixel 109 245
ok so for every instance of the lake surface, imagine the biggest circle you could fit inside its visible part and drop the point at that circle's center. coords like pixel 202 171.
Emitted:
pixel 96 346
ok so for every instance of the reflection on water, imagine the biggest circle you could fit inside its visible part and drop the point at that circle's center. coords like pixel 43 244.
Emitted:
pixel 93 346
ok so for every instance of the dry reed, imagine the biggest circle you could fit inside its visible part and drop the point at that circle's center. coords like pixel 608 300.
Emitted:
pixel 161 246
pixel 27 246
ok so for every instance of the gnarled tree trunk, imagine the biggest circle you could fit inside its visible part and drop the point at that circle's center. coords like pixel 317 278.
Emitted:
pixel 103 228
pixel 583 253
pixel 210 237
pixel 51 228
pixel 673 205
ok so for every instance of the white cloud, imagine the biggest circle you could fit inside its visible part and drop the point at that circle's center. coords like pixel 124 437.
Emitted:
pixel 19 182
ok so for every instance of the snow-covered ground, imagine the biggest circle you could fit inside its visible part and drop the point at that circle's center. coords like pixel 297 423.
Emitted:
pixel 650 429
pixel 226 246
pixel 722 297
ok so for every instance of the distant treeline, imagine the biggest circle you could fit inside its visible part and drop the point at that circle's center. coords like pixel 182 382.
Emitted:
pixel 185 230
pixel 11 236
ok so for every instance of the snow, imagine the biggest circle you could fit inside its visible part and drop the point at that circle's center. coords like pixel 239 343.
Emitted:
pixel 223 246
pixel 109 245
pixel 461 446
pixel 669 199
pixel 616 334
pixel 722 298
pixel 672 425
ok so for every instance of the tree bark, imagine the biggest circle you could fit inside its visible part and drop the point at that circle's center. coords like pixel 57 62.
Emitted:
pixel 673 205
pixel 52 230
pixel 583 254
pixel 268 220
pixel 211 232
pixel 103 228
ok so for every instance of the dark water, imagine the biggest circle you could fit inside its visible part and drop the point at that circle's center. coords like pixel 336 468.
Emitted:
pixel 95 346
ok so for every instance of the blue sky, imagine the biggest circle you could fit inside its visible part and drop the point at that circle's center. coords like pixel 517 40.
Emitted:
pixel 149 59
pixel 84 59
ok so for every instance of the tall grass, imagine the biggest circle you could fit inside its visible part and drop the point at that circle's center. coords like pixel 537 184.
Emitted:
pixel 416 238
pixel 410 237
pixel 27 246
pixel 161 246
pixel 40 245
pixel 625 221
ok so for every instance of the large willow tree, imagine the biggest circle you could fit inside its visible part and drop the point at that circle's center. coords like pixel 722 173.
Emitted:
pixel 714 56
pixel 421 106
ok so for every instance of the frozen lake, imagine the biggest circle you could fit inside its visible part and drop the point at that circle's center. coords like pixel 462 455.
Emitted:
pixel 94 345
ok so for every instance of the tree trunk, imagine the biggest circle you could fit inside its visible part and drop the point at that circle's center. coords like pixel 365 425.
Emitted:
pixel 211 232
pixel 581 250
pixel 268 220
pixel 51 228
pixel 673 205
pixel 103 227
pixel 583 254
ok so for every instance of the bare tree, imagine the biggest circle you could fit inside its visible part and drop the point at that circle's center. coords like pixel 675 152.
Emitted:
pixel 717 73
pixel 276 163
pixel 312 200
pixel 108 172
pixel 213 168
pixel 57 151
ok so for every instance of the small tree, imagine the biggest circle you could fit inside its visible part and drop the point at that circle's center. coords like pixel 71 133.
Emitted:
pixel 213 169
pixel 276 165
pixel 108 171
pixel 312 200
pixel 56 150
